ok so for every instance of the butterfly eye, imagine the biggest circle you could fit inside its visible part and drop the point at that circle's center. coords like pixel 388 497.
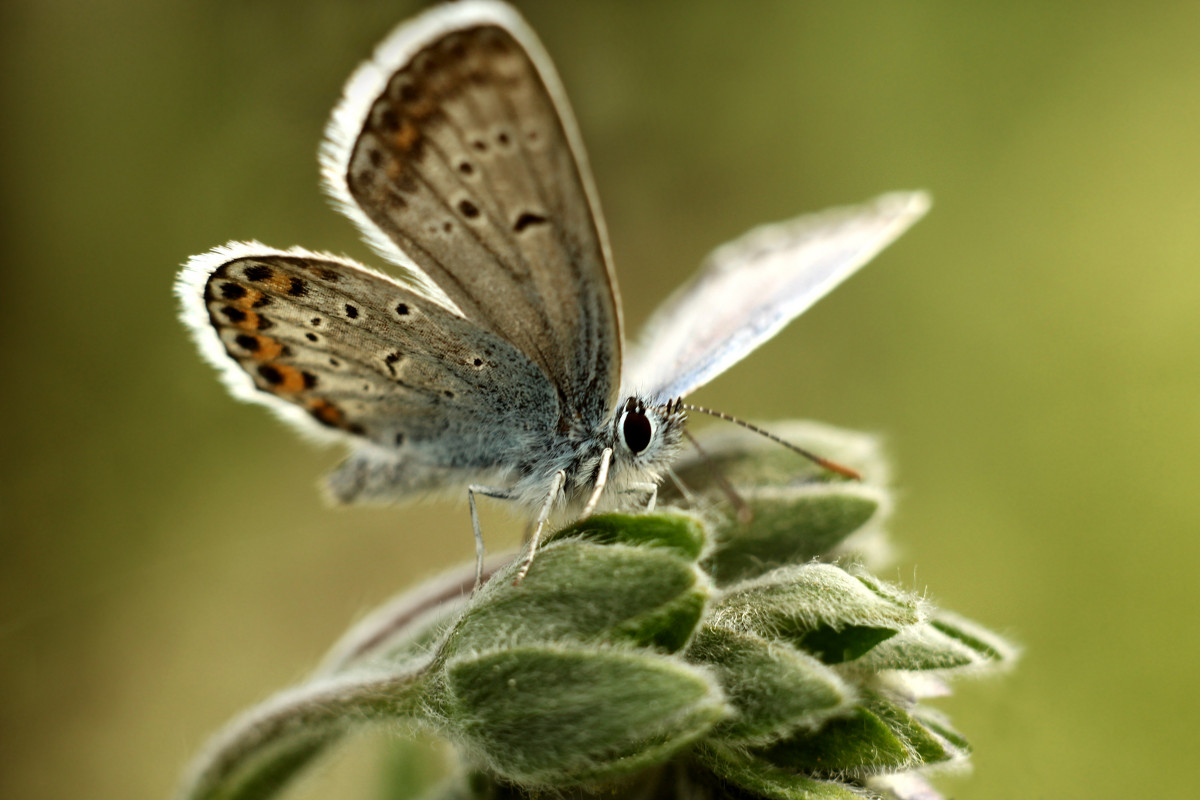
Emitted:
pixel 636 430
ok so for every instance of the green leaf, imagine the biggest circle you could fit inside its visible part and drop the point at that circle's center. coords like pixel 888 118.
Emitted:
pixel 859 744
pixel 820 600
pixel 928 747
pixel 557 716
pixel 617 669
pixel 988 645
pixel 879 736
pixel 674 530
pixel 788 526
pixel 937 724
pixel 765 780
pixel 945 642
pixel 773 688
pixel 271 770
pixel 263 750
pixel 835 646
pixel 920 647
pixel 668 627
pixel 580 591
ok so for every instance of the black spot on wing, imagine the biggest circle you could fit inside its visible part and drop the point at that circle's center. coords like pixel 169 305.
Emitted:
pixel 389 121
pixel 527 219
pixel 257 272
pixel 270 374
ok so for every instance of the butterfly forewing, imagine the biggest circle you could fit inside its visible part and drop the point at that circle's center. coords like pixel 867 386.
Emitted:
pixel 366 356
pixel 465 163
pixel 749 289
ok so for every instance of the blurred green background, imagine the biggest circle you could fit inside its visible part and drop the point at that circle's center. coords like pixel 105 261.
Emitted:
pixel 1029 351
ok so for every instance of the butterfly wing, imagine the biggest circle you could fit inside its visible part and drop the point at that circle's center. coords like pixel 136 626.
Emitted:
pixel 343 351
pixel 455 151
pixel 749 289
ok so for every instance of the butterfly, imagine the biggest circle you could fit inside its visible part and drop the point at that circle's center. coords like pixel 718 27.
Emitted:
pixel 496 360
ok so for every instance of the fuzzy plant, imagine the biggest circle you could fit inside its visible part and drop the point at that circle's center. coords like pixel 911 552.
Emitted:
pixel 732 644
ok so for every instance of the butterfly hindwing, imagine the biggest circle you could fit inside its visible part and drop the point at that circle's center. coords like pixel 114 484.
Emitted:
pixel 360 354
pixel 465 161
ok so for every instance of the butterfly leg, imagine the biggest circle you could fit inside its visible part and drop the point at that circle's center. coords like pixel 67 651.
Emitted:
pixel 486 491
pixel 556 486
pixel 650 491
pixel 687 494
pixel 601 480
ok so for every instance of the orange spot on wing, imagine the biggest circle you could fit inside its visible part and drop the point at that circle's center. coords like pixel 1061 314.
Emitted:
pixel 246 301
pixel 407 136
pixel 248 322
pixel 282 284
pixel 290 380
pixel 268 349
pixel 329 414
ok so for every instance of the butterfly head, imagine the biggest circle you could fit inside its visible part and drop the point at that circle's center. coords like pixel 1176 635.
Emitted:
pixel 647 437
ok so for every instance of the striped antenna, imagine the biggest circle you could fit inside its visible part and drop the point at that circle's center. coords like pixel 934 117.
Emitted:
pixel 824 463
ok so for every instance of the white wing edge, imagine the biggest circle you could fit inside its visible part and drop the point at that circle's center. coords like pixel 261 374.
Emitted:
pixel 368 83
pixel 669 325
pixel 189 288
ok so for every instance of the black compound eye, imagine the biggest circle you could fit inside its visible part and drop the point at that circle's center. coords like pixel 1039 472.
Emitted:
pixel 636 430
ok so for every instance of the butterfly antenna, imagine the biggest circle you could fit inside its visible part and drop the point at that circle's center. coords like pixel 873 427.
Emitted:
pixel 824 463
pixel 744 513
